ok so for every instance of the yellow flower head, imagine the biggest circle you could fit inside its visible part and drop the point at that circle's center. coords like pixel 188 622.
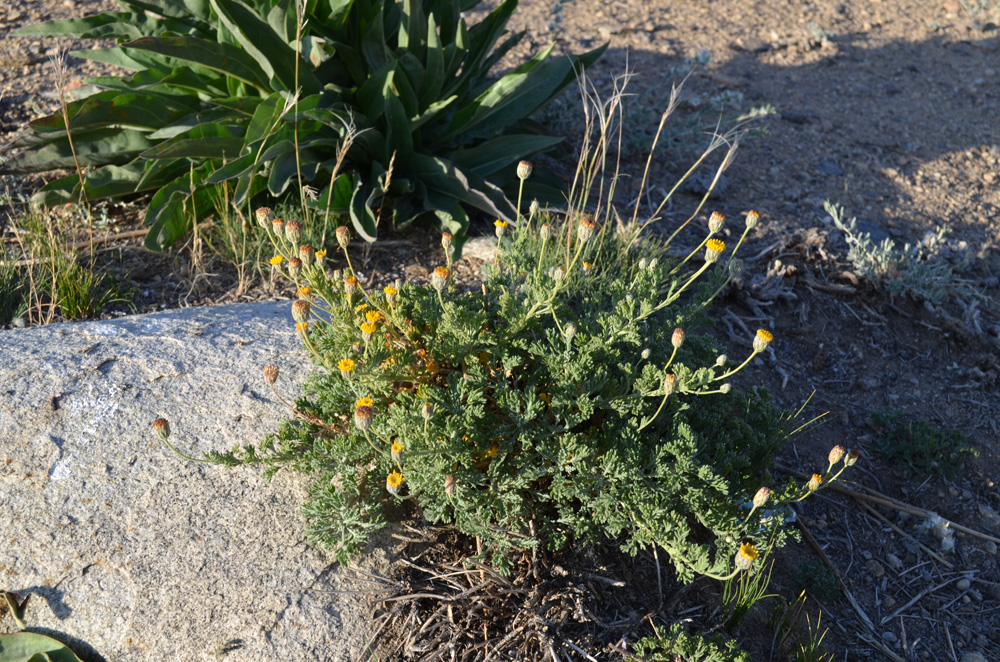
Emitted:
pixel 365 402
pixel 815 482
pixel 373 316
pixel 500 224
pixel 746 556
pixel 762 339
pixel 394 480
pixel 304 292
pixel 491 452
pixel 345 366
pixel 360 307
pixel 321 254
pixel 276 260
pixel 390 290
pixel 368 327
pixel 397 447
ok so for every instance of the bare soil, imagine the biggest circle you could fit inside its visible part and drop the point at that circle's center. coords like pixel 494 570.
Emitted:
pixel 888 108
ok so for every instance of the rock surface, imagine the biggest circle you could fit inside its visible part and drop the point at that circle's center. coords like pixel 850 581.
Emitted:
pixel 128 551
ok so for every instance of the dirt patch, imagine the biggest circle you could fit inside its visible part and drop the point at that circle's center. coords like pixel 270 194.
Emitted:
pixel 888 108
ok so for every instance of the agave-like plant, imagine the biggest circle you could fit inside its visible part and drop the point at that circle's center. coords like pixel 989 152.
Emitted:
pixel 374 103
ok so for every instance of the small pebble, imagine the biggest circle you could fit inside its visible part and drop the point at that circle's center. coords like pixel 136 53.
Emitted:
pixel 973 657
pixel 876 568
pixel 894 561
pixel 889 602
pixel 963 584
pixel 889 636
pixel 991 548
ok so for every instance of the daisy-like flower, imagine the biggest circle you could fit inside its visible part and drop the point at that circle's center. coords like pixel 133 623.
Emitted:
pixel 814 482
pixel 350 285
pixel 713 249
pixel 440 277
pixel 294 266
pixel 302 329
pixel 367 329
pixel 361 307
pixel 365 401
pixel 586 229
pixel 276 260
pixel 162 428
pixel 343 236
pixel 345 366
pixel 716 221
pixel 761 340
pixel 394 482
pixel 300 310
pixel 305 292
pixel 320 256
pixel 759 499
pixel 677 339
pixel 746 555
pixel 306 254
pixel 373 316
pixel 293 231
pixel 751 219
pixel 264 216
pixel 363 417
pixel 524 169
pixel 491 452
pixel 397 452
pixel 390 294
pixel 500 226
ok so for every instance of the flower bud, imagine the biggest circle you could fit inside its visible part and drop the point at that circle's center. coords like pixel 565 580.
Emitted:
pixel 162 428
pixel 363 417
pixel 646 353
pixel 716 221
pixel 270 374
pixel 294 266
pixel 669 384
pixel 721 361
pixel 343 236
pixel 735 267
pixel 677 339
pixel 397 452
pixel 587 268
pixel 751 219
pixel 499 226
pixel 320 257
pixel 759 499
pixel 586 229
pixel 293 231
pixel 300 310
pixel 725 388
pixel 851 457
pixel 449 485
pixel 524 170
pixel 761 340
pixel 264 216
pixel 814 482
pixel 652 263
pixel 350 285
pixel 390 294
pixel 533 207
pixel 427 410
pixel 306 254
pixel 642 264
pixel 278 227
pixel 713 249
pixel 836 454
pixel 545 232
pixel 440 277
pixel 570 331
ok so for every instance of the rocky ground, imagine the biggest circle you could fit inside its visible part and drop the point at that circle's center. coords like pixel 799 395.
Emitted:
pixel 888 108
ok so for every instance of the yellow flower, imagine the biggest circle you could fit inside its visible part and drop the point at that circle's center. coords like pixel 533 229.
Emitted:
pixel 373 316
pixel 276 260
pixel 365 402
pixel 321 254
pixel 367 329
pixel 360 307
pixel 390 290
pixel 397 452
pixel 746 556
pixel 393 482
pixel 713 249
pixel 761 340
pixel 345 366
pixel 491 452
pixel 815 482
pixel 304 292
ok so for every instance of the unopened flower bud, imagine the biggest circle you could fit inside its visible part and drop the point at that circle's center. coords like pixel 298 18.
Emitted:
pixel 427 410
pixel 294 266
pixel 646 353
pixel 270 374
pixel 449 485
pixel 162 428
pixel 642 264
pixel 350 285
pixel 814 482
pixel 278 227
pixel 725 388
pixel 851 457
pixel 716 221
pixel 306 254
pixel 293 231
pixel 446 238
pixel 533 207
pixel 677 339
pixel 264 216
pixel 751 219
pixel 721 360
pixel 343 236
pixel 736 267
pixel 570 331
pixel 836 454
pixel 669 384
pixel 759 499
pixel 761 340
pixel 652 263
pixel 363 417
pixel 713 249
pixel 586 229
pixel 397 452
pixel 300 310
pixel 440 277
pixel 524 170
pixel 545 232
pixel 557 274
